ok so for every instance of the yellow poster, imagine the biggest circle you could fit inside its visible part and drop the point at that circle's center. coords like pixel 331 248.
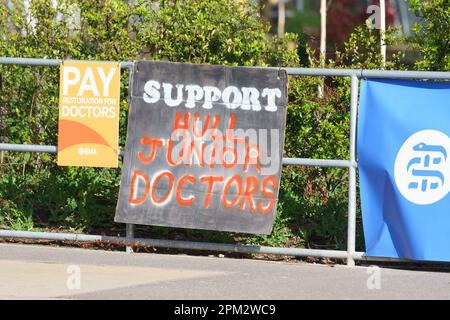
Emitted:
pixel 88 127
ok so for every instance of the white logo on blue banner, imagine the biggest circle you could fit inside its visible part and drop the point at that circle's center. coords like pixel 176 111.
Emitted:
pixel 422 167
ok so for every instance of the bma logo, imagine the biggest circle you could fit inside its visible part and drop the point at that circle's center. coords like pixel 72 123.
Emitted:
pixel 422 167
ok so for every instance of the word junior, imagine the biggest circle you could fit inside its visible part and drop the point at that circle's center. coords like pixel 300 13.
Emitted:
pixel 205 147
pixel 254 192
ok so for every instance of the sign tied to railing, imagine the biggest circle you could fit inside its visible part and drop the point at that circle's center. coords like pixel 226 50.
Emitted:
pixel 88 133
pixel 204 147
pixel 404 161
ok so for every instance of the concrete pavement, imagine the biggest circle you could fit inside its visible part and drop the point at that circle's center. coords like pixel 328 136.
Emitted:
pixel 30 272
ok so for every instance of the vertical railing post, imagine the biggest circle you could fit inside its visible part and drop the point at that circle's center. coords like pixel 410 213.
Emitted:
pixel 351 224
pixel 130 236
pixel 129 226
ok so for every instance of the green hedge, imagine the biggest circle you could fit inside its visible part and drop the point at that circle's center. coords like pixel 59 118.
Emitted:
pixel 36 194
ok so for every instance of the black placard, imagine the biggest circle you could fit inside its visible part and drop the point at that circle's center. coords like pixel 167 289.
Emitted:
pixel 204 147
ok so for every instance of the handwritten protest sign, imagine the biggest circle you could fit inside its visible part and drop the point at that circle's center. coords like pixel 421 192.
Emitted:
pixel 204 147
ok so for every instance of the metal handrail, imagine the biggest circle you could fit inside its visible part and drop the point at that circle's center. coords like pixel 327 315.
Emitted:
pixel 351 255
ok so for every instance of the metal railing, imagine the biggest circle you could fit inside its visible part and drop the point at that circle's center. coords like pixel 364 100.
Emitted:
pixel 351 164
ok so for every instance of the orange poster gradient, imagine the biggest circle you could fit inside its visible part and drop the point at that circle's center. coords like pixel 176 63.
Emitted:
pixel 88 127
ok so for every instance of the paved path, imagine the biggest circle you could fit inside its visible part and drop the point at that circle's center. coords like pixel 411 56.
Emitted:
pixel 28 272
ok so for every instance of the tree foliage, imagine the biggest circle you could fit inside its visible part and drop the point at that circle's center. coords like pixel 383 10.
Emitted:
pixel 34 192
pixel 32 187
pixel 432 35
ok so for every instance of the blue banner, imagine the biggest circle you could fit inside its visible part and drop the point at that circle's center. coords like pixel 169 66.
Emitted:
pixel 404 168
